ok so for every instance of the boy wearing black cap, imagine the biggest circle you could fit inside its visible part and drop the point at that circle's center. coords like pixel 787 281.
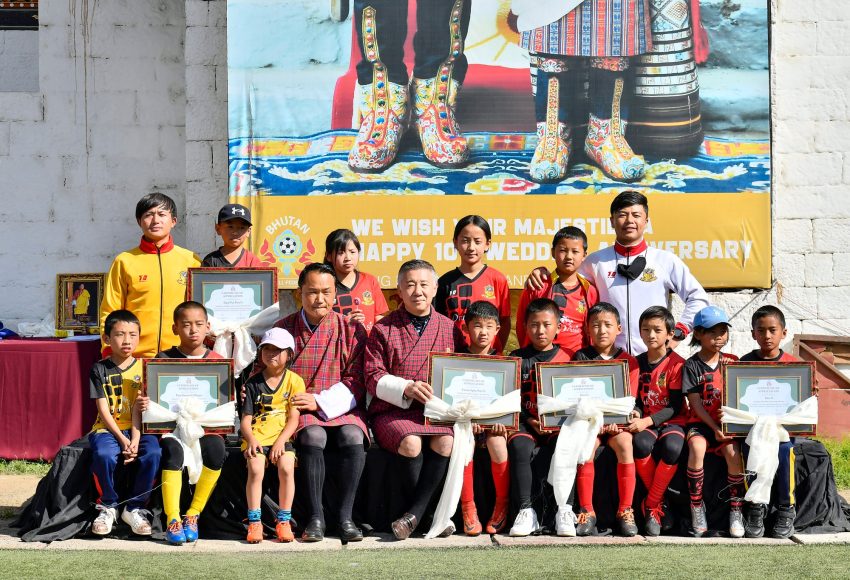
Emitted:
pixel 234 227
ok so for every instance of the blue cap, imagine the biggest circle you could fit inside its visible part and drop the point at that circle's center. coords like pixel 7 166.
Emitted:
pixel 710 316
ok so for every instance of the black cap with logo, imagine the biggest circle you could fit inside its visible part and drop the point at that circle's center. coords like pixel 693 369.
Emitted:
pixel 233 211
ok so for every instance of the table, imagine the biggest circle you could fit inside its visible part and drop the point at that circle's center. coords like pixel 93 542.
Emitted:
pixel 44 395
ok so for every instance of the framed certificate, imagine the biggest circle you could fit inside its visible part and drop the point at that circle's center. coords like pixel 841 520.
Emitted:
pixel 233 295
pixel 78 298
pixel 168 380
pixel 458 377
pixel 767 388
pixel 582 379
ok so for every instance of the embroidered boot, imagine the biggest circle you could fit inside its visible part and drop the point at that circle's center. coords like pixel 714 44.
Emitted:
pixel 606 144
pixel 552 154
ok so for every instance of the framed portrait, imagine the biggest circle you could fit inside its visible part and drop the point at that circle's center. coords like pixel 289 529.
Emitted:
pixel 78 299
pixel 582 379
pixel 458 377
pixel 233 295
pixel 767 388
pixel 166 381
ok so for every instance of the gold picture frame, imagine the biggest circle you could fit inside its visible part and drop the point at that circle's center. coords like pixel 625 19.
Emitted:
pixel 78 298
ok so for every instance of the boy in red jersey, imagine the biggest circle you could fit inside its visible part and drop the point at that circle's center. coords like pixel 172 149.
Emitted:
pixel 234 227
pixel 603 324
pixel 573 294
pixel 541 325
pixel 658 432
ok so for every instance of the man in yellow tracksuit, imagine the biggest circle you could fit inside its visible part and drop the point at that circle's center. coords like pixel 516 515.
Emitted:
pixel 150 280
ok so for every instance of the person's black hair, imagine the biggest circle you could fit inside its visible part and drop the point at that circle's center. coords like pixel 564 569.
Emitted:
pixel 472 220
pixel 411 265
pixel 117 316
pixel 542 305
pixel 317 268
pixel 768 310
pixel 570 233
pixel 154 200
pixel 337 241
pixel 481 309
pixel 658 312
pixel 629 198
pixel 603 307
pixel 189 305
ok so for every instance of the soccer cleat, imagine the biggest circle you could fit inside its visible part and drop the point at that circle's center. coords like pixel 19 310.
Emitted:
pixel 404 526
pixel 499 519
pixel 255 532
pixel 283 530
pixel 565 522
pixel 471 523
pixel 653 520
pixel 736 523
pixel 190 528
pixel 586 523
pixel 174 533
pixel 525 524
pixel 102 524
pixel 784 526
pixel 626 522
pixel 754 519
pixel 698 520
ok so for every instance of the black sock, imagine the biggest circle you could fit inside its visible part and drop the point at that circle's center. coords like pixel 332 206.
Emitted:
pixel 521 450
pixel 410 468
pixel 434 468
pixel 312 461
pixel 351 462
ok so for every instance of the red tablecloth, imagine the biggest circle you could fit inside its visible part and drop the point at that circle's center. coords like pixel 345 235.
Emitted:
pixel 44 395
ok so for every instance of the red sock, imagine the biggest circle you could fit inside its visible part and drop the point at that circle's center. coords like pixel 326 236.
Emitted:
pixel 584 485
pixel 626 485
pixel 467 492
pixel 646 470
pixel 663 474
pixel 501 479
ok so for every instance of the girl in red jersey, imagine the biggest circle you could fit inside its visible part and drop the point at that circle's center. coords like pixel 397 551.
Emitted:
pixel 702 384
pixel 358 294
pixel 474 280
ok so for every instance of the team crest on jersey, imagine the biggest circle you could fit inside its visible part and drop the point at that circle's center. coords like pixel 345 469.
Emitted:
pixel 288 246
pixel 367 299
pixel 662 380
pixel 648 275
pixel 182 278
pixel 581 306
pixel 489 292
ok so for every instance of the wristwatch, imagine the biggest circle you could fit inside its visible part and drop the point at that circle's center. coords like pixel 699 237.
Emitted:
pixel 678 334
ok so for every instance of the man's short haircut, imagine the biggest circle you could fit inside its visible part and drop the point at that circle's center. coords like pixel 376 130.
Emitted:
pixel 411 265
pixel 189 305
pixel 629 198
pixel 768 310
pixel 601 308
pixel 117 316
pixel 154 200
pixel 658 312
pixel 570 233
pixel 542 305
pixel 472 220
pixel 481 309
pixel 317 268
pixel 338 240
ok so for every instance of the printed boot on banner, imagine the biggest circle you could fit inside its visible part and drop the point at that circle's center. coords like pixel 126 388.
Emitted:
pixel 553 87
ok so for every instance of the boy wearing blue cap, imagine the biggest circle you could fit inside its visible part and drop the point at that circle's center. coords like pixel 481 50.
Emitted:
pixel 702 383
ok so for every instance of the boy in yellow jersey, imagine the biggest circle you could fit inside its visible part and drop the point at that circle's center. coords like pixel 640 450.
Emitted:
pixel 150 280
pixel 115 382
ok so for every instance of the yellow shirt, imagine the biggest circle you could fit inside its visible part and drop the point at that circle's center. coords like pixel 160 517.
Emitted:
pixel 119 388
pixel 269 406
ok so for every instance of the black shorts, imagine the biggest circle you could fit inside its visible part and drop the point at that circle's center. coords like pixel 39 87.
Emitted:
pixel 704 431
pixel 288 448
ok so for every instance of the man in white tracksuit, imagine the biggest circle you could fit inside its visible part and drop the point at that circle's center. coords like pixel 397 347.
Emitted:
pixel 634 276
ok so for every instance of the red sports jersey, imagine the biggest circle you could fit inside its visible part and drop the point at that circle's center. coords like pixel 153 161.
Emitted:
pixel 455 292
pixel 707 382
pixel 755 356
pixel 365 295
pixel 655 383
pixel 574 303
pixel 530 356
pixel 245 260
pixel 590 353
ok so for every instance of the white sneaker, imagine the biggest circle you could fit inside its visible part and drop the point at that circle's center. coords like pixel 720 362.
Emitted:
pixel 137 521
pixel 102 524
pixel 736 523
pixel 525 523
pixel 565 522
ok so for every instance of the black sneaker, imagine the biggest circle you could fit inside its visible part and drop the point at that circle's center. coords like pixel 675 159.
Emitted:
pixel 784 526
pixel 586 523
pixel 754 519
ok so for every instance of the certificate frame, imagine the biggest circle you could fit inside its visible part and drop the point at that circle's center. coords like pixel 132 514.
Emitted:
pixel 505 369
pixel 739 376
pixel 201 282
pixel 614 373
pixel 67 286
pixel 156 371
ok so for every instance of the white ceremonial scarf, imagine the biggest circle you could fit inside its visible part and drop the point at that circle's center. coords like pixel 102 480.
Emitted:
pixel 191 420
pixel 242 348
pixel 462 414
pixel 577 437
pixel 533 14
pixel 764 439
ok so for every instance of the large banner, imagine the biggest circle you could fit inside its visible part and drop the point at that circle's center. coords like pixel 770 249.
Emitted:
pixel 693 100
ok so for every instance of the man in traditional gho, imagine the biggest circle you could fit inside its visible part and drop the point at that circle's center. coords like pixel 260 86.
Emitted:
pixel 397 369
pixel 387 101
